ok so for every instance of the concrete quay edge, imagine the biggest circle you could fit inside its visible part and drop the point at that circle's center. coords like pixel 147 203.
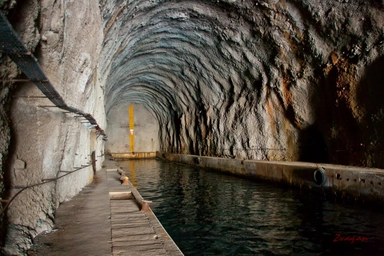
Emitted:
pixel 350 182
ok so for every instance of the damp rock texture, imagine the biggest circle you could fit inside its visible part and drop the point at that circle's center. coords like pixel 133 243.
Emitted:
pixel 42 142
pixel 268 79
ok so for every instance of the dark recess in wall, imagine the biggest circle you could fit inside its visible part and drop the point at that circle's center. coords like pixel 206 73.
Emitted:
pixel 370 94
pixel 312 147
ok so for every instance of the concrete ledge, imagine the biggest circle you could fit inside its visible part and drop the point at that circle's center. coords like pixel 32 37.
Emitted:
pixel 136 155
pixel 359 183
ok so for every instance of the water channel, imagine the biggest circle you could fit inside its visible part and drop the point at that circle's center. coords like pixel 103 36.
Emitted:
pixel 209 213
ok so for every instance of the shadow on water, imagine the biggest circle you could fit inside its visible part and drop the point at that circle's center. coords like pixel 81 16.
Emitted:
pixel 207 213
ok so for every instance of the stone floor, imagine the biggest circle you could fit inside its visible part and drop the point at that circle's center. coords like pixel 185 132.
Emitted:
pixel 92 224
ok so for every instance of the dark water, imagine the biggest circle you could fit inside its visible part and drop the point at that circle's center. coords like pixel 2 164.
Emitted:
pixel 207 213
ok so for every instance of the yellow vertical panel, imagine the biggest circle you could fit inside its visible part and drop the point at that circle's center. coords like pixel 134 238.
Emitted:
pixel 131 128
pixel 131 120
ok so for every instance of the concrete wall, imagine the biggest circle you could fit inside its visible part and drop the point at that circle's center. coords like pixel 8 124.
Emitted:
pixel 146 130
pixel 357 183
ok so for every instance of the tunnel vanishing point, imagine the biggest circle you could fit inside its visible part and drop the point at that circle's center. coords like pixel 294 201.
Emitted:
pixel 277 80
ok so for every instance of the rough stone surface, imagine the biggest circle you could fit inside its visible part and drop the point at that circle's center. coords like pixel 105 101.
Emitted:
pixel 272 80
pixel 48 140
pixel 9 71
pixel 19 164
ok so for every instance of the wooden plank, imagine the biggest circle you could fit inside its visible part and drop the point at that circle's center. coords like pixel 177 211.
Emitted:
pixel 124 208
pixel 124 205
pixel 119 212
pixel 135 238
pixel 127 216
pixel 133 206
pixel 129 231
pixel 127 209
pixel 144 229
pixel 136 243
pixel 131 225
pixel 135 253
pixel 147 251
pixel 125 236
pixel 126 195
pixel 123 202
pixel 124 211
pixel 141 250
pixel 129 222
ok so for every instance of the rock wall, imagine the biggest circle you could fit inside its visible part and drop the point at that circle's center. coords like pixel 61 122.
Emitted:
pixel 267 80
pixel 44 142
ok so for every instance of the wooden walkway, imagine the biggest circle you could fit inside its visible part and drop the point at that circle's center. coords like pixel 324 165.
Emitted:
pixel 132 233
pixel 93 224
pixel 135 232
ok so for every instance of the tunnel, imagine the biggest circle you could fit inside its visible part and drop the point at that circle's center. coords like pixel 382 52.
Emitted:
pixel 274 80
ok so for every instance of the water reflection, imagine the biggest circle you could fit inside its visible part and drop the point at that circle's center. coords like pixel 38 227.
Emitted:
pixel 132 173
pixel 207 213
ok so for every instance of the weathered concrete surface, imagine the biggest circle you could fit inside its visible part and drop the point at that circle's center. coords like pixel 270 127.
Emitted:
pixel 359 183
pixel 234 166
pixel 146 130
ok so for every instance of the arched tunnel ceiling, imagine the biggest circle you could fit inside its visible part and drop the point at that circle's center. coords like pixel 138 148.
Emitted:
pixel 180 49
pixel 253 72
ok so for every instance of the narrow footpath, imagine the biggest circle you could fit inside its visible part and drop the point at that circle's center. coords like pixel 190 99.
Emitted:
pixel 94 224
